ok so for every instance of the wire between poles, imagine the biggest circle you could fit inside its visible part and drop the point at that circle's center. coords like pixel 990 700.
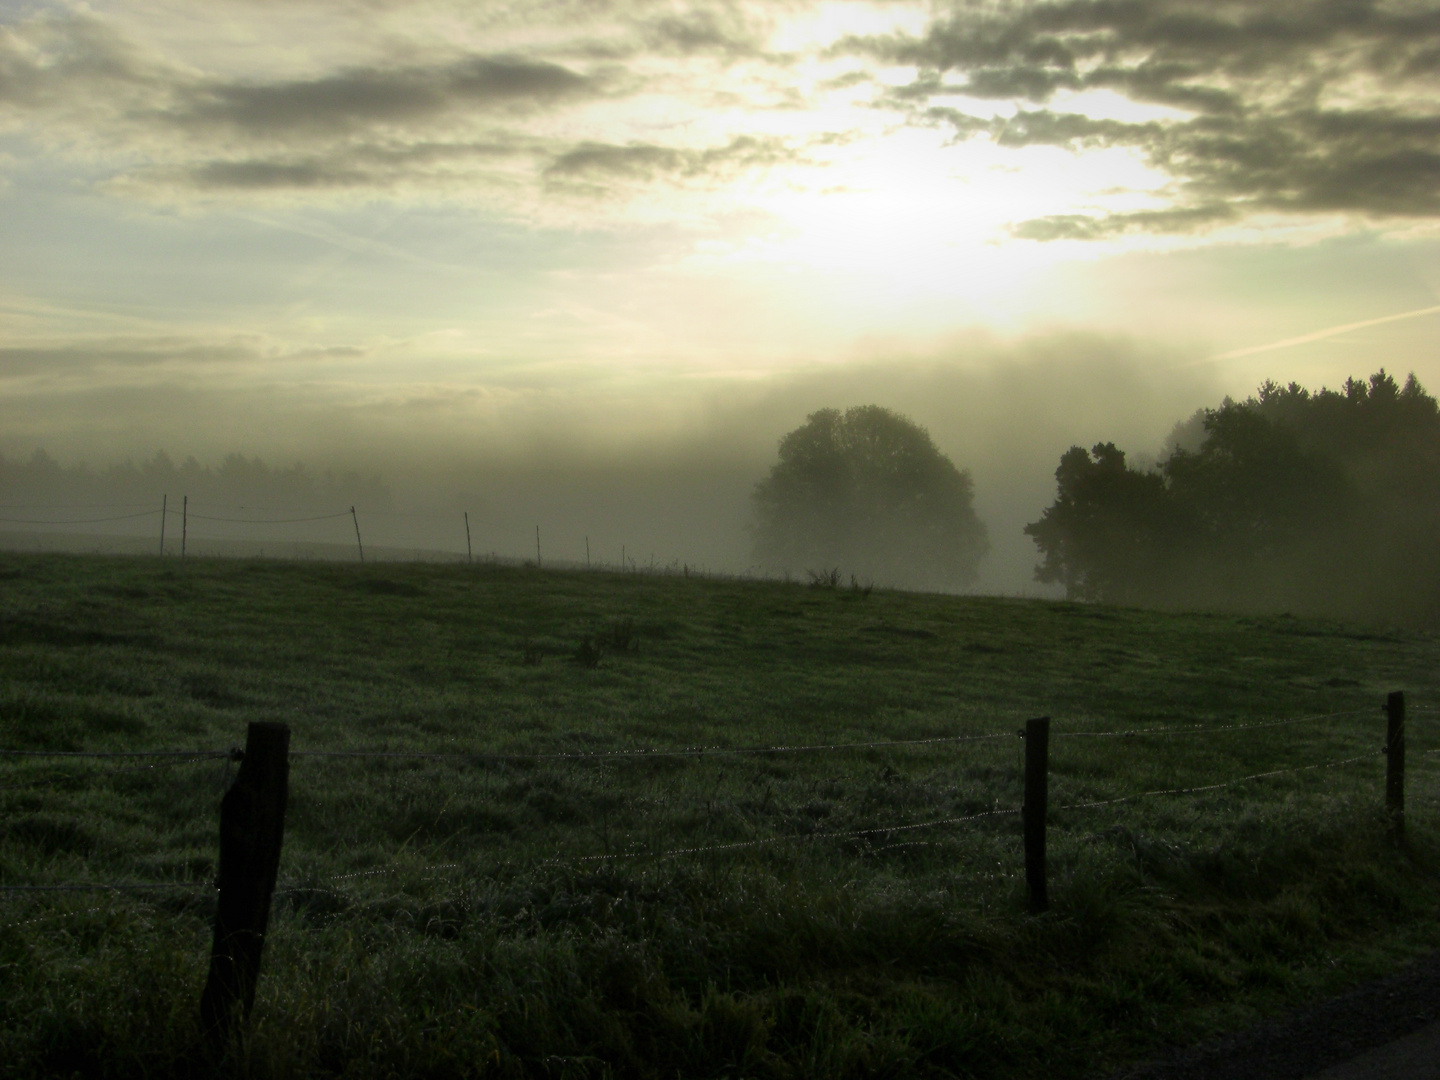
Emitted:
pixel 79 521
pixel 269 521
pixel 195 754
pixel 845 835
pixel 109 887
pixel 1205 729
pixel 1223 784
pixel 643 753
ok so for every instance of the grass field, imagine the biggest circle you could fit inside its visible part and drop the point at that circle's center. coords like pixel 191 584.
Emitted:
pixel 721 915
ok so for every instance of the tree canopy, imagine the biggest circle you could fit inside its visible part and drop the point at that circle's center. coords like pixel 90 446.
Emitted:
pixel 1326 501
pixel 867 491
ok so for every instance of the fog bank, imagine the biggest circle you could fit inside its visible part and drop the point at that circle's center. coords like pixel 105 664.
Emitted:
pixel 661 473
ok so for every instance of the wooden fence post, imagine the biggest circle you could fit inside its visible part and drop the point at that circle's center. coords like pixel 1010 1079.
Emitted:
pixel 359 546
pixel 252 826
pixel 1395 760
pixel 1037 785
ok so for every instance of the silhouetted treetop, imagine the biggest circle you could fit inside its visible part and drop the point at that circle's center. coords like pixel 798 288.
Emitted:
pixel 867 490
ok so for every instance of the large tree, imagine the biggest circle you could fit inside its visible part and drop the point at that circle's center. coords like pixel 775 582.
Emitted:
pixel 1326 501
pixel 867 491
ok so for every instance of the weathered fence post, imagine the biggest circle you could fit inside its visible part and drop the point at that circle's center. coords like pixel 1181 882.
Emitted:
pixel 252 826
pixel 1037 786
pixel 1395 760
pixel 359 546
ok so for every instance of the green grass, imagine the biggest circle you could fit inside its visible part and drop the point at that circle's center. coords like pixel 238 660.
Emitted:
pixel 478 916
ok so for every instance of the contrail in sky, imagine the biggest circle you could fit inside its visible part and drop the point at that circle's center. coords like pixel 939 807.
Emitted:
pixel 1327 332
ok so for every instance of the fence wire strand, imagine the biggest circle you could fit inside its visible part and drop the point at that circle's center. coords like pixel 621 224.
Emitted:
pixel 266 521
pixel 50 780
pixel 184 757
pixel 109 886
pixel 80 521
pixel 1222 784
pixel 1206 729
pixel 195 754
pixel 604 755
pixel 797 838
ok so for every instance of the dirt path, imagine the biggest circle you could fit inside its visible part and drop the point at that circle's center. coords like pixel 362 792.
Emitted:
pixel 1366 1034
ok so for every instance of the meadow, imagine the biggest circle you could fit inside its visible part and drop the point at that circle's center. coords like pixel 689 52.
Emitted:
pixel 534 899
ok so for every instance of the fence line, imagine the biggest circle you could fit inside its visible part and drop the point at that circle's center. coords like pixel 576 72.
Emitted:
pixel 265 521
pixel 109 886
pixel 196 754
pixel 81 521
pixel 1206 729
pixel 180 757
pixel 112 772
pixel 52 915
pixel 851 834
pixel 1223 784
pixel 606 755
pixel 487 756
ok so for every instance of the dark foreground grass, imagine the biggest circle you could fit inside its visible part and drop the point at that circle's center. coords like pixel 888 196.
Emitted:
pixel 782 915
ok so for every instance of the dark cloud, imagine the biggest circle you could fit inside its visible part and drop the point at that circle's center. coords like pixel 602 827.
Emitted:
pixel 1082 227
pixel 645 161
pixel 1310 106
pixel 268 175
pixel 726 31
pixel 345 165
pixel 364 97
pixel 75 63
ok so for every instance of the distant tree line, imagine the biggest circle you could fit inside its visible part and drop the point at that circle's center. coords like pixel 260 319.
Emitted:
pixel 1325 502
pixel 237 482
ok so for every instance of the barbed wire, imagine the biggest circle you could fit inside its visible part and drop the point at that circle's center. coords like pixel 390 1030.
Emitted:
pixel 849 834
pixel 80 521
pixel 233 754
pixel 47 781
pixel 109 886
pixel 49 915
pixel 603 755
pixel 793 838
pixel 1205 729
pixel 72 506
pixel 1222 784
pixel 266 521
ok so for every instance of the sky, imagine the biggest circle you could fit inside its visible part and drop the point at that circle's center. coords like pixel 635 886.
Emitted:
pixel 583 262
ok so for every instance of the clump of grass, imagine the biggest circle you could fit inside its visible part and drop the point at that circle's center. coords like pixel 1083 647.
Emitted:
pixel 589 652
pixel 621 636
pixel 824 578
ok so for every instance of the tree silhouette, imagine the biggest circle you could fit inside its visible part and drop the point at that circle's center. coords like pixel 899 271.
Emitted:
pixel 868 491
pixel 1325 502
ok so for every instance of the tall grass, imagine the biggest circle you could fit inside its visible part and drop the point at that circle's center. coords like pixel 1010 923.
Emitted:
pixel 479 916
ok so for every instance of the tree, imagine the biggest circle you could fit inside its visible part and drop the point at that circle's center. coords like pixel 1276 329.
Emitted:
pixel 866 490
pixel 1326 502
pixel 1107 535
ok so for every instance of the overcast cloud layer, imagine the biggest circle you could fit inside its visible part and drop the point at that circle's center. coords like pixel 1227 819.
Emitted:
pixel 557 237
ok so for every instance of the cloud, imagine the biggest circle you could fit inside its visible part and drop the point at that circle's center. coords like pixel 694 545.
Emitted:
pixel 1315 106
pixel 128 356
pixel 728 31
pixel 645 161
pixel 366 97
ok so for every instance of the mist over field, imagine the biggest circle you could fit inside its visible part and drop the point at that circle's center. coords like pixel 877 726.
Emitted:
pixel 672 484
